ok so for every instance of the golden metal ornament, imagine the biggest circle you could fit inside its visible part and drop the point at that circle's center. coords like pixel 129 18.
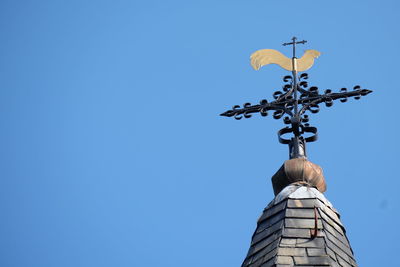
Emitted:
pixel 270 56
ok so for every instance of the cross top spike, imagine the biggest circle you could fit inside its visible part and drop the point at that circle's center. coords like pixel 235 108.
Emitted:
pixel 294 43
pixel 294 100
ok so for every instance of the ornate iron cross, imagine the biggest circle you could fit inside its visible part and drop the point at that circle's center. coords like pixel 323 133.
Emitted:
pixel 287 102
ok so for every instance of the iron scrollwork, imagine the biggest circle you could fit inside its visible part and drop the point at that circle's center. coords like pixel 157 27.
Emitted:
pixel 295 98
pixel 284 104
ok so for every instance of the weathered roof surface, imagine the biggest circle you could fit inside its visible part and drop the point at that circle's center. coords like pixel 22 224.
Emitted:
pixel 299 227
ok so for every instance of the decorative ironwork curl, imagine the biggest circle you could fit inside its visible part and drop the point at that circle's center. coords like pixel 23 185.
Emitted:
pixel 285 101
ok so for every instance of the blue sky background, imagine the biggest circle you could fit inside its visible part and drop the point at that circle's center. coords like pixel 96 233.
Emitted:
pixel 112 151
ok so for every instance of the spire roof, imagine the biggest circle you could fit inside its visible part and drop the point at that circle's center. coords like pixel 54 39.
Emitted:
pixel 299 227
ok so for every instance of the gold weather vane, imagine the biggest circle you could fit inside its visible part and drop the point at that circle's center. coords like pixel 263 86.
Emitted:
pixel 264 57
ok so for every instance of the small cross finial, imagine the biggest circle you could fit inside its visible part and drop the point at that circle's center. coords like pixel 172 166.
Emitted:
pixel 294 43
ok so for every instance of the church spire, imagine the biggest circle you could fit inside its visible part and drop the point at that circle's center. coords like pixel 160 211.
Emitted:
pixel 300 227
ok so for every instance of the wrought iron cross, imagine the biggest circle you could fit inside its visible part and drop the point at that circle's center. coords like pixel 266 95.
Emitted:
pixel 294 42
pixel 287 102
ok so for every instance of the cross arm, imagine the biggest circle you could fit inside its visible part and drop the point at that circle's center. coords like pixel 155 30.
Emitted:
pixel 310 99
pixel 247 109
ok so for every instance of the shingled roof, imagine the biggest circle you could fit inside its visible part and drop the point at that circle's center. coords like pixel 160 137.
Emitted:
pixel 299 227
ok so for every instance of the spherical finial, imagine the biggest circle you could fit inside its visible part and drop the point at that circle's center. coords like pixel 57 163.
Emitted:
pixel 301 171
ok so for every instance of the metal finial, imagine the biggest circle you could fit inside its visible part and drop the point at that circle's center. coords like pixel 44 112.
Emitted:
pixel 294 42
pixel 287 101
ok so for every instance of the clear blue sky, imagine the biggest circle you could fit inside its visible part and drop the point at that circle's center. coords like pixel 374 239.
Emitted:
pixel 112 152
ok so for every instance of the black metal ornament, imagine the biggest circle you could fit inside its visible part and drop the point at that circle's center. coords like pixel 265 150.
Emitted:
pixel 287 102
